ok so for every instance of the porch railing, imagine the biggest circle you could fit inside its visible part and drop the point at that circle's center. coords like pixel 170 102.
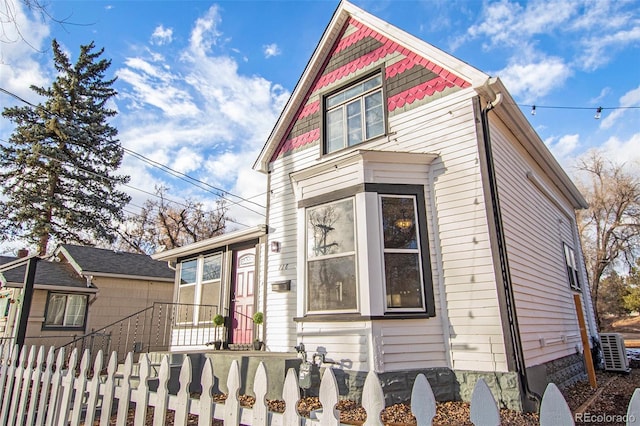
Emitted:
pixel 151 329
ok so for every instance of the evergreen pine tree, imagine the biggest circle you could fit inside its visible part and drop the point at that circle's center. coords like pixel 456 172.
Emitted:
pixel 57 168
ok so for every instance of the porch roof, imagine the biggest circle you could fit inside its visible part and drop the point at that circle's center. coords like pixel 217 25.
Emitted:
pixel 49 276
pixel 234 237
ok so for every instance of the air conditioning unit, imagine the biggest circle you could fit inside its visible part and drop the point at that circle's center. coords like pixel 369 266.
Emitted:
pixel 614 352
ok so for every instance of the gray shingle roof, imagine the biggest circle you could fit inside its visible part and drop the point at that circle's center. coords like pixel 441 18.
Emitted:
pixel 47 274
pixel 91 259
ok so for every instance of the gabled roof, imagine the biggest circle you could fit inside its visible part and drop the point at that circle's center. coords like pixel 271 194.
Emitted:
pixel 103 262
pixel 49 276
pixel 392 37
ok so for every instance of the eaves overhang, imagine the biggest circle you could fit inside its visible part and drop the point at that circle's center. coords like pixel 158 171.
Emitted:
pixel 235 237
pixel 513 118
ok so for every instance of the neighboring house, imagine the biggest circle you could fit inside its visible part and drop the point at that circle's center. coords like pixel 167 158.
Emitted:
pixel 80 289
pixel 416 223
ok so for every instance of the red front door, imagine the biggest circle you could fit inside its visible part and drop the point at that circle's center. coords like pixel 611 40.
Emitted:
pixel 242 300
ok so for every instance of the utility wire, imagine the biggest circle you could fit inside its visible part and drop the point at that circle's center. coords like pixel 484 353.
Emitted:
pixel 186 178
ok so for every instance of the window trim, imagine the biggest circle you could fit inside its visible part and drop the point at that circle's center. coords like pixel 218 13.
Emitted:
pixel 82 327
pixel 353 253
pixel 386 250
pixel 423 239
pixel 418 191
pixel 199 285
pixel 324 131
pixel 571 265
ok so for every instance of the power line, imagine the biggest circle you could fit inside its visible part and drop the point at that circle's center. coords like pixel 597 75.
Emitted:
pixel 164 168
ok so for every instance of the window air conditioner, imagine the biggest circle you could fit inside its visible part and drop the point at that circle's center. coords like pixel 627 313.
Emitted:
pixel 614 352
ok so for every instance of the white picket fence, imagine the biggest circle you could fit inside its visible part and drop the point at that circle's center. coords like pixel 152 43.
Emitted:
pixel 34 392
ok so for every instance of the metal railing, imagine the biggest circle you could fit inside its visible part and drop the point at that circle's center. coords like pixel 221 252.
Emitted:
pixel 151 329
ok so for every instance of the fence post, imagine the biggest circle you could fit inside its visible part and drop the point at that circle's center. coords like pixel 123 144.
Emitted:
pixel 46 384
pixel 484 410
pixel 35 389
pixel 94 389
pixel 260 386
pixel 182 398
pixel 25 394
pixel 423 402
pixel 372 399
pixel 206 400
pixel 162 394
pixel 329 399
pixel 109 389
pixel 232 405
pixel 80 387
pixel 125 391
pixel 554 409
pixel 633 411
pixel 291 396
pixel 17 384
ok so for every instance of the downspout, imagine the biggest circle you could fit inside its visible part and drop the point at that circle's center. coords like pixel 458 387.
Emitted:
pixel 504 261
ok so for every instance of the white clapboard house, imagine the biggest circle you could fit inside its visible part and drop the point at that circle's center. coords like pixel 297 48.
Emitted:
pixel 415 223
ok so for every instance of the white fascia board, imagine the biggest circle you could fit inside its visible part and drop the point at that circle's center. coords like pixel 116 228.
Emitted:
pixel 70 260
pixel 55 288
pixel 211 243
pixel 91 274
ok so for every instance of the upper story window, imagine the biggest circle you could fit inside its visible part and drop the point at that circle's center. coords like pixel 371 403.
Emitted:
pixel 199 290
pixel 572 268
pixel 403 272
pixel 354 115
pixel 331 257
pixel 65 311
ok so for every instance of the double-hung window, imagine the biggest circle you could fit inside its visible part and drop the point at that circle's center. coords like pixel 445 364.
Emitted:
pixel 403 271
pixel 331 257
pixel 199 289
pixel 65 311
pixel 572 267
pixel 354 115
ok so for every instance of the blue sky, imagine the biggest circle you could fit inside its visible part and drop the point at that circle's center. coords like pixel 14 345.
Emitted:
pixel 202 83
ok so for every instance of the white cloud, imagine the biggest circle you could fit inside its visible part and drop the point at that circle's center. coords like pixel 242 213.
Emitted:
pixel 162 35
pixel 23 43
pixel 629 99
pixel 564 148
pixel 510 24
pixel 186 160
pixel 213 119
pixel 599 48
pixel 271 50
pixel 205 33
pixel 533 80
pixel 624 151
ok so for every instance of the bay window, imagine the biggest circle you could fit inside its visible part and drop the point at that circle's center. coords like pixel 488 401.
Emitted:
pixel 331 257
pixel 402 257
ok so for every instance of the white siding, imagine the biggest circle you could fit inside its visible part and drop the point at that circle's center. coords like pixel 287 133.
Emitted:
pixel 535 230
pixel 466 332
